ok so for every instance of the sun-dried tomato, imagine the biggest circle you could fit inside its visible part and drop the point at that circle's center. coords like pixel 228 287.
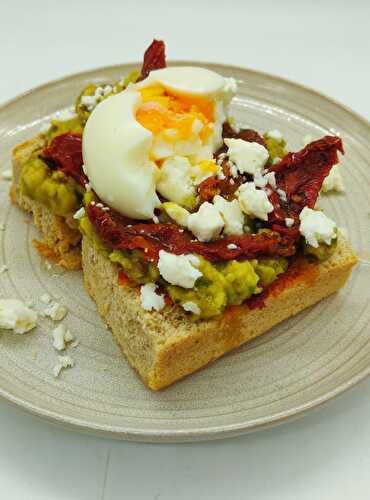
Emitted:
pixel 65 154
pixel 300 175
pixel 246 134
pixel 154 58
pixel 208 189
pixel 151 238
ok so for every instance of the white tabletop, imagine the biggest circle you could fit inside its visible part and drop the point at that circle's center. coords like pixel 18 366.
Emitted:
pixel 326 46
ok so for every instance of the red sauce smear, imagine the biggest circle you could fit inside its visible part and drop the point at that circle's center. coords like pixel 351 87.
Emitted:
pixel 154 58
pixel 151 238
pixel 65 154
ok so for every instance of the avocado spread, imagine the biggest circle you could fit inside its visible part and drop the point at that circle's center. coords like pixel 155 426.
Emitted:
pixel 57 191
pixel 228 283
pixel 275 147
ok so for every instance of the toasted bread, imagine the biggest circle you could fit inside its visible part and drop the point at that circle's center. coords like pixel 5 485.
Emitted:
pixel 166 346
pixel 61 237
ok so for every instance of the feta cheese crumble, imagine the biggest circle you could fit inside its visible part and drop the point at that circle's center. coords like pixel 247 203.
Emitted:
pixel 191 307
pixel 249 157
pixel 16 316
pixel 316 227
pixel 55 311
pixel 150 299
pixel 231 213
pixel 206 224
pixel 64 362
pixel 275 134
pixel 179 270
pixel 232 246
pixel 7 175
pixel 79 213
pixel 254 202
pixel 61 337
pixel 289 222
pixel 334 181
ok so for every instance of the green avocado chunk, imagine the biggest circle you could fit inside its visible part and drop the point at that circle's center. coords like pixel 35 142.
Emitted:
pixel 52 188
pixel 62 127
pixel 322 252
pixel 275 147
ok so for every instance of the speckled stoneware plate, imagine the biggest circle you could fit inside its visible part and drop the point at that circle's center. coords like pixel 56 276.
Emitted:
pixel 300 364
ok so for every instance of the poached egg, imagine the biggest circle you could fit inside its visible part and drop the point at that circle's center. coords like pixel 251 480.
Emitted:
pixel 131 140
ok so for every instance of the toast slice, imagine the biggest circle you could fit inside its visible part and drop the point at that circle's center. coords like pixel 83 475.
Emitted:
pixel 61 237
pixel 166 346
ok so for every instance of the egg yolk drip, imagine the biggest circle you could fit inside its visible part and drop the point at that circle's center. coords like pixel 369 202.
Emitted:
pixel 175 118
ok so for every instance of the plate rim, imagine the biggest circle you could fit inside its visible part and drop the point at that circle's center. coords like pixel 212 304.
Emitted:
pixel 222 431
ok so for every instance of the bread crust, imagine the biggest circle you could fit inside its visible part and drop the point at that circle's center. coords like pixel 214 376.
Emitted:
pixel 61 237
pixel 166 346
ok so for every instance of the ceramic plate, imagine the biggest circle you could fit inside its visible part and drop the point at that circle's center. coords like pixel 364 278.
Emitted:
pixel 300 364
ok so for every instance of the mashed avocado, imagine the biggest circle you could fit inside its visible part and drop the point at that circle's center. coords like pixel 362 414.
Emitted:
pixel 322 252
pixel 62 127
pixel 52 188
pixel 84 113
pixel 228 283
pixel 275 148
pixel 132 262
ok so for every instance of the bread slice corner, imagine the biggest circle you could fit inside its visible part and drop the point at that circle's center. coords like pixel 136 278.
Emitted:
pixel 166 346
pixel 61 237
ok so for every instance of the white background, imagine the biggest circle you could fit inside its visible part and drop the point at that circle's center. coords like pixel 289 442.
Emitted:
pixel 325 45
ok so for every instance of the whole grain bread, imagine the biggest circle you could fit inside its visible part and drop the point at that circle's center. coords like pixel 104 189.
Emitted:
pixel 166 346
pixel 61 237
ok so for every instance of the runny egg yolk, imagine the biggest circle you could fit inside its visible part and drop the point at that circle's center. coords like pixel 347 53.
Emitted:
pixel 173 117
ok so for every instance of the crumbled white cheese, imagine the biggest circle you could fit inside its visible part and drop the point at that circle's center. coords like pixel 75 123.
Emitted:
pixel 45 298
pixel 206 224
pixel 179 270
pixel 155 219
pixel 249 157
pixel 254 202
pixel 275 134
pixel 282 194
pixel 270 177
pixel 289 222
pixel 7 175
pixel 55 311
pixel 87 187
pixel 16 316
pixel 260 180
pixel 191 307
pixel 175 181
pixel 150 299
pixel 64 115
pixel 3 269
pixel 316 227
pixel 334 181
pixel 90 101
pixel 64 362
pixel 79 214
pixel 232 246
pixel 61 336
pixel 231 213
pixel 107 90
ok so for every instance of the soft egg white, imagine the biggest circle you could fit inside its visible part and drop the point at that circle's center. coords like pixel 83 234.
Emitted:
pixel 118 152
